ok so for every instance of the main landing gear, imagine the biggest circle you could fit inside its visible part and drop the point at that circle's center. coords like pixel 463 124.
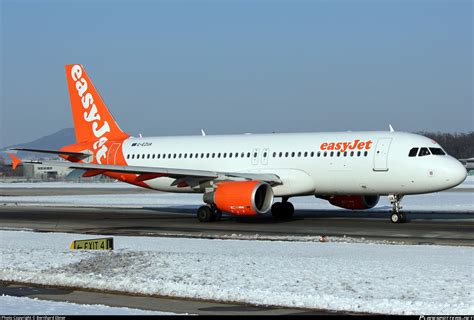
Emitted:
pixel 283 210
pixel 397 216
pixel 209 213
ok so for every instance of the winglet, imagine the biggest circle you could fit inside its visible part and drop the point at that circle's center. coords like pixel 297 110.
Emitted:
pixel 391 128
pixel 15 160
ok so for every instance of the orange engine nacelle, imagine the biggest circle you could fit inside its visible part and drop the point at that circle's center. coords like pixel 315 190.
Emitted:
pixel 242 198
pixel 354 202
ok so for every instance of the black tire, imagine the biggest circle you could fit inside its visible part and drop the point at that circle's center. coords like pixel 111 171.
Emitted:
pixel 403 217
pixel 217 215
pixel 288 209
pixel 205 214
pixel 277 210
pixel 396 218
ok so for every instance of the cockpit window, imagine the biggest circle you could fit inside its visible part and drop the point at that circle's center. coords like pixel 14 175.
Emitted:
pixel 437 151
pixel 413 152
pixel 424 152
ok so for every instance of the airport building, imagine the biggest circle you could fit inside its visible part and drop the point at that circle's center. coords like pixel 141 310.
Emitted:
pixel 44 172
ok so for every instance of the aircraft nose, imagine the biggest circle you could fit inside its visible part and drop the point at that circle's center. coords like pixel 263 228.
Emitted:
pixel 457 173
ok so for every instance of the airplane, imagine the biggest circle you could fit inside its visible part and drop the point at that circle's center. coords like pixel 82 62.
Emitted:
pixel 243 174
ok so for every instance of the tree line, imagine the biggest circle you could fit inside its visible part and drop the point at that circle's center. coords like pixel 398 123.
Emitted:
pixel 458 145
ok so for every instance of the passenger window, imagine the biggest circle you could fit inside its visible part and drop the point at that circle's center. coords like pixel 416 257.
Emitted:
pixel 358 153
pixel 312 154
pixel 219 155
pixel 128 156
pixel 437 151
pixel 339 153
pixel 280 154
pixel 213 155
pixel 248 154
pixel 332 153
pixel 148 156
pixel 133 156
pixel 366 153
pixel 190 156
pixel 286 154
pixel 225 155
pixel 325 153
pixel 424 152
pixel 345 153
pixel 299 154
pixel 254 154
pixel 413 152
pixel 292 154
pixel 185 155
pixel 319 154
pixel 264 154
pixel 352 153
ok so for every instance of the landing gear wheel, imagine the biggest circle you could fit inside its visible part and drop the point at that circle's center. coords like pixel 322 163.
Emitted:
pixel 283 210
pixel 289 210
pixel 397 216
pixel 277 210
pixel 205 214
pixel 217 214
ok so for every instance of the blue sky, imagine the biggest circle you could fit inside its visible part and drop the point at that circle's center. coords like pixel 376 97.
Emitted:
pixel 174 67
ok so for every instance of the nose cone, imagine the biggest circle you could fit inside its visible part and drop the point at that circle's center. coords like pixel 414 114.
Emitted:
pixel 456 173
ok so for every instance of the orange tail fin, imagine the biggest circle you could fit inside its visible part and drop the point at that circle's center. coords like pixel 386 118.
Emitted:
pixel 92 119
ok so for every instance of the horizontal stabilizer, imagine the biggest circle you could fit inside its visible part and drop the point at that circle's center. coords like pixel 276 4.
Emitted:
pixel 66 153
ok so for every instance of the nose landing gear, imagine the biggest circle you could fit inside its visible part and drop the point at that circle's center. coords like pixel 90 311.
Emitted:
pixel 397 216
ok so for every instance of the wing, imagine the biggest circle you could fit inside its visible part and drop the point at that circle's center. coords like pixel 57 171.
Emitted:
pixel 184 177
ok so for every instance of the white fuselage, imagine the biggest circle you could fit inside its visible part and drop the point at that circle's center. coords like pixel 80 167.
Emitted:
pixel 299 160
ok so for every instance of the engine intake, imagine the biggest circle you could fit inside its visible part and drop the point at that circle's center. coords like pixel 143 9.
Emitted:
pixel 243 198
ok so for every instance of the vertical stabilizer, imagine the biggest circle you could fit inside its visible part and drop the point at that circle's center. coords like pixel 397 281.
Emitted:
pixel 92 120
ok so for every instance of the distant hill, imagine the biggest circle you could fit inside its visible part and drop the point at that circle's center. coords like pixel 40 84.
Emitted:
pixel 53 141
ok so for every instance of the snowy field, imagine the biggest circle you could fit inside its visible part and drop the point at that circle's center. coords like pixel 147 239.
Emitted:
pixel 393 279
pixel 26 306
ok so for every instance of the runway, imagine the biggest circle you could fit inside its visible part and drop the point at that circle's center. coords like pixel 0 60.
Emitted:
pixel 422 228
pixel 440 228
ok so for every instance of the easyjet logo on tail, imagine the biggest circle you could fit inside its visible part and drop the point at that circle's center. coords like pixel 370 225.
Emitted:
pixel 99 126
pixel 344 146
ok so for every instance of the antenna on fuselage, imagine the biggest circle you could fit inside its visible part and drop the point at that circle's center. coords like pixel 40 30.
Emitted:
pixel 203 133
pixel 391 128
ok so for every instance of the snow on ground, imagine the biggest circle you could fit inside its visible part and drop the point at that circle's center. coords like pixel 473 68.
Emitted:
pixel 434 202
pixel 393 279
pixel 65 184
pixel 27 306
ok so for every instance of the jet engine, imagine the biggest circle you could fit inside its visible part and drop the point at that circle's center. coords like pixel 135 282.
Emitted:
pixel 243 198
pixel 354 202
